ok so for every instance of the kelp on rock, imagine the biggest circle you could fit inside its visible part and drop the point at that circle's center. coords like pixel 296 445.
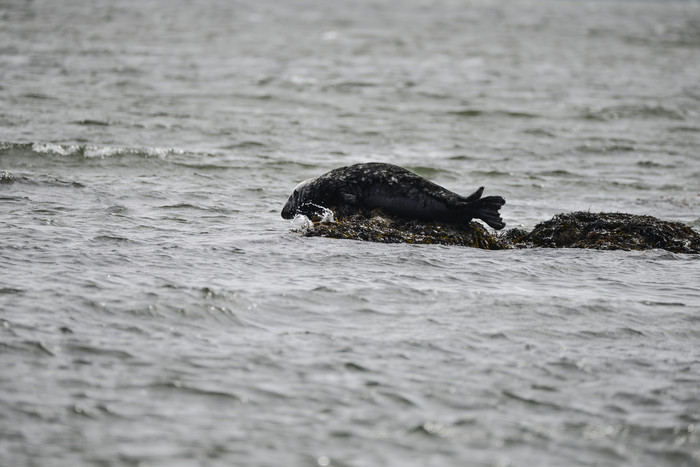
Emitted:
pixel 601 231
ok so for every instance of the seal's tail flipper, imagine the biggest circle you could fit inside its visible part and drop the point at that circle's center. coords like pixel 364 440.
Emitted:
pixel 476 195
pixel 487 208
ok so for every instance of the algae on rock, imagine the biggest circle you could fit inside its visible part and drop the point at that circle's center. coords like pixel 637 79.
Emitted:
pixel 611 231
pixel 394 230
pixel 602 231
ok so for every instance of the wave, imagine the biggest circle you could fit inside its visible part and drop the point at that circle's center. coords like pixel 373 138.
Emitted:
pixel 8 178
pixel 87 151
pixel 633 111
pixel 491 113
pixel 14 154
pixel 89 122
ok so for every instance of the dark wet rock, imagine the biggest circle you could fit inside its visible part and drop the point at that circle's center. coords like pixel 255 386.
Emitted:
pixel 602 231
pixel 514 238
pixel 389 230
pixel 611 231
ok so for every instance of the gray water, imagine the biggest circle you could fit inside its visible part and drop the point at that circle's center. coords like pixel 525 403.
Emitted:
pixel 156 310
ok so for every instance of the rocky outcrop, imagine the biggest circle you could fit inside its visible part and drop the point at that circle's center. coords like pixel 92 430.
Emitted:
pixel 610 231
pixel 602 231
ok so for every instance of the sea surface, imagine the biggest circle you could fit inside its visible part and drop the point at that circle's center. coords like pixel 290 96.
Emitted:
pixel 156 310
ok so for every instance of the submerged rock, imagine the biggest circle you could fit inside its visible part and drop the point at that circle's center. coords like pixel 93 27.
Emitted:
pixel 602 231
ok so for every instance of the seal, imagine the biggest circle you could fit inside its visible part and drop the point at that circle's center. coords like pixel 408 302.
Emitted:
pixel 364 188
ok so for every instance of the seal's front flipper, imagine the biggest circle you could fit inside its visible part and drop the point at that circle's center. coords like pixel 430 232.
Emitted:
pixel 349 198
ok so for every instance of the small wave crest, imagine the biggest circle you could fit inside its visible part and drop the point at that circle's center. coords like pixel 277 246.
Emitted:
pixel 8 178
pixel 633 111
pixel 85 150
pixel 90 151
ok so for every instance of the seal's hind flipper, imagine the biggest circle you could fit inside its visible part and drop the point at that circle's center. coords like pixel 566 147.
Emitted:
pixel 487 209
pixel 476 195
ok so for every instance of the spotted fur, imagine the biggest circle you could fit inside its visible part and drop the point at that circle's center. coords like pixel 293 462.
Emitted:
pixel 364 188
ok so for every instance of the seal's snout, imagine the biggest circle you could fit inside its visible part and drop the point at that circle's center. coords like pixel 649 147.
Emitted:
pixel 294 202
pixel 288 209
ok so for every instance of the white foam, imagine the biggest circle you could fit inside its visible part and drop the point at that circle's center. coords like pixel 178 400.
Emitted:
pixel 327 217
pixel 56 148
pixel 301 223
pixel 101 152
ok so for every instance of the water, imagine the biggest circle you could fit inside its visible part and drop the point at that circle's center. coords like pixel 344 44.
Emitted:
pixel 156 310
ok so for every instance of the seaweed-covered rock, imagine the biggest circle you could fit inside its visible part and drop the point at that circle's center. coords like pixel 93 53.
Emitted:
pixel 602 231
pixel 612 231
pixel 392 230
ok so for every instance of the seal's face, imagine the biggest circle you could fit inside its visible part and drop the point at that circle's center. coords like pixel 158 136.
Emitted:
pixel 296 200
